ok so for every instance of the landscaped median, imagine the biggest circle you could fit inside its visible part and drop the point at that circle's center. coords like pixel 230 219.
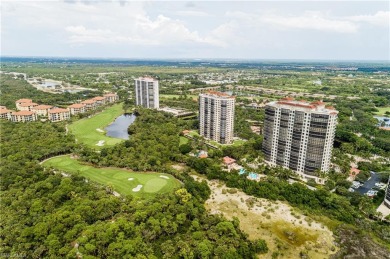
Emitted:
pixel 142 184
pixel 90 131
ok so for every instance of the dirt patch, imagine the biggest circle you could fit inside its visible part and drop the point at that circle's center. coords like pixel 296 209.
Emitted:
pixel 288 232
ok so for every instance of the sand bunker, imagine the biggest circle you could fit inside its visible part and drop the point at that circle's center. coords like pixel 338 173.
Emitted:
pixel 163 176
pixel 100 130
pixel 138 188
pixel 130 179
pixel 100 143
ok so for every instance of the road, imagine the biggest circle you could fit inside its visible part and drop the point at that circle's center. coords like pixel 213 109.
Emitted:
pixel 369 184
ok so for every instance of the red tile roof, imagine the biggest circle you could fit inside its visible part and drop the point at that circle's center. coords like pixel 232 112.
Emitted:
pixel 28 104
pixel 2 111
pixel 24 101
pixel 220 94
pixel 76 105
pixel 23 113
pixel 42 107
pixel 58 110
pixel 228 160
pixel 110 94
pixel 99 98
pixel 89 101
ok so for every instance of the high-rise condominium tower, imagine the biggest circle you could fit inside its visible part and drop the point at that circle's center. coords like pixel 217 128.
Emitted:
pixel 146 92
pixel 299 135
pixel 387 197
pixel 216 116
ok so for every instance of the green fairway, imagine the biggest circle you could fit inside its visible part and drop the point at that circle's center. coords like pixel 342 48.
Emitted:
pixel 122 181
pixel 183 140
pixel 382 110
pixel 91 130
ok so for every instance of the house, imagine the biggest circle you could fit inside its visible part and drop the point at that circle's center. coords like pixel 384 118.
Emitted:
pixel 27 106
pixel 76 108
pixel 90 104
pixel 42 110
pixel 229 162
pixel 99 100
pixel 20 101
pixel 23 116
pixel 202 154
pixel 353 173
pixel 5 113
pixel 59 114
pixel 111 97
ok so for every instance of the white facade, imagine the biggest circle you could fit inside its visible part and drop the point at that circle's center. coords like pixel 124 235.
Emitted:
pixel 146 92
pixel 216 116
pixel 299 135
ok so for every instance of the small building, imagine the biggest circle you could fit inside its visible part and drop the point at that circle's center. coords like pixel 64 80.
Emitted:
pixel 202 154
pixel 23 116
pixel 100 100
pixel 90 104
pixel 111 97
pixel 27 106
pixel 176 112
pixel 229 162
pixel 5 113
pixel 353 173
pixel 76 108
pixel 59 114
pixel 20 101
pixel 42 110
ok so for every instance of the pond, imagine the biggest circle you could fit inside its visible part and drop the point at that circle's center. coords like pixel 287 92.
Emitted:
pixel 118 129
pixel 383 121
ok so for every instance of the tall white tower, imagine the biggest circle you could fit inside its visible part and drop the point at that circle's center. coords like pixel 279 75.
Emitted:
pixel 216 116
pixel 146 92
pixel 299 135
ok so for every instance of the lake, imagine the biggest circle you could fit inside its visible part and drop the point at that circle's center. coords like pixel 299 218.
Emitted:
pixel 118 129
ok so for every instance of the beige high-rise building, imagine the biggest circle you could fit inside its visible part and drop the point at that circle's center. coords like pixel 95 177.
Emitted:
pixel 216 116
pixel 299 135
pixel 147 92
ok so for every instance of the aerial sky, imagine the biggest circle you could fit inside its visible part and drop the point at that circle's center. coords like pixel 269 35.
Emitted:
pixel 309 30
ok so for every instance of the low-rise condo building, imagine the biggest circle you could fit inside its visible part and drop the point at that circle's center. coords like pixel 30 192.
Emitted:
pixel 42 110
pixel 76 108
pixel 59 114
pixel 27 106
pixel 89 104
pixel 23 116
pixel 111 97
pixel 20 101
pixel 299 135
pixel 5 113
pixel 100 100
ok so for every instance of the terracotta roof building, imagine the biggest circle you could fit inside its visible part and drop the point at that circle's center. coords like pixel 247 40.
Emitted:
pixel 23 116
pixel 89 104
pixel 5 113
pixel 20 101
pixel 76 108
pixel 27 106
pixel 59 114
pixel 42 110
pixel 111 97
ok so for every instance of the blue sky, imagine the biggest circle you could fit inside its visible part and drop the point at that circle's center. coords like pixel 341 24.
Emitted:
pixel 331 30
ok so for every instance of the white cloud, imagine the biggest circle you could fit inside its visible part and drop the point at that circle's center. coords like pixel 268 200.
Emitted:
pixel 193 14
pixel 380 18
pixel 313 21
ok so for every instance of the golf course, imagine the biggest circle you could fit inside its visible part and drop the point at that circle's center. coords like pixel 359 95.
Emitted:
pixel 122 181
pixel 90 131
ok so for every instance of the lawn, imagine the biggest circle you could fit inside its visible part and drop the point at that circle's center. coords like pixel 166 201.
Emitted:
pixel 91 130
pixel 382 110
pixel 237 142
pixel 122 181
pixel 171 96
pixel 183 140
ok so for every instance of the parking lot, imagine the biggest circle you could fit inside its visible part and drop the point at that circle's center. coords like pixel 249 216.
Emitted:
pixel 369 184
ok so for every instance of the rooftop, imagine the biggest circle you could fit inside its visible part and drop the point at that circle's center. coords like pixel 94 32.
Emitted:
pixel 146 78
pixel 99 98
pixel 76 105
pixel 217 94
pixel 23 113
pixel 316 106
pixel 42 107
pixel 89 101
pixel 58 110
pixel 110 94
pixel 228 160
pixel 24 101
pixel 2 111
pixel 28 104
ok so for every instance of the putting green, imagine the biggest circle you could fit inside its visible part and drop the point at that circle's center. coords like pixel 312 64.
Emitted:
pixel 90 131
pixel 121 180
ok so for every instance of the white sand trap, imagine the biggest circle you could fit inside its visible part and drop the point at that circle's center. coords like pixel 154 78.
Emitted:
pixel 100 143
pixel 138 188
pixel 130 179
pixel 100 130
pixel 163 176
